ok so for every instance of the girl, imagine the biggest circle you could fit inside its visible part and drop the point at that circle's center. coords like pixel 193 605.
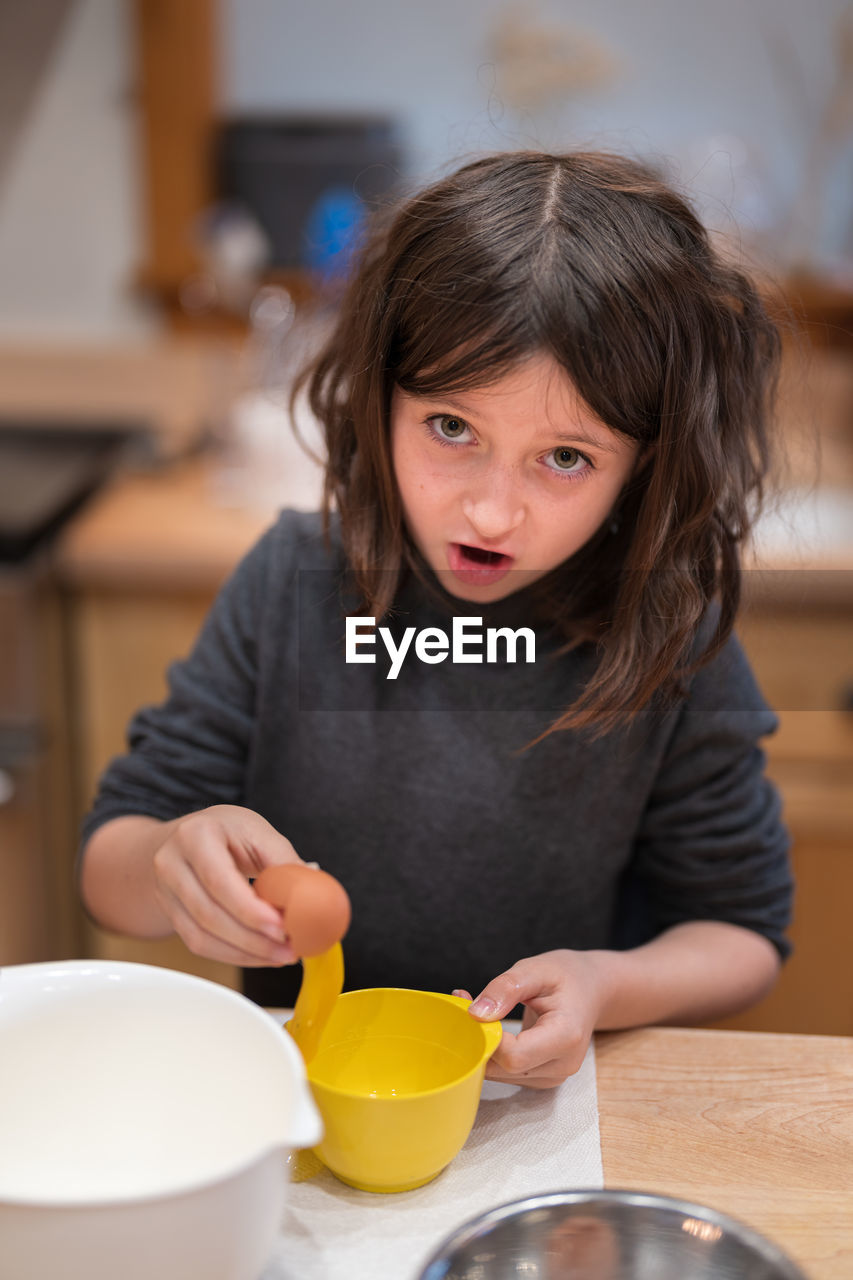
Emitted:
pixel 546 404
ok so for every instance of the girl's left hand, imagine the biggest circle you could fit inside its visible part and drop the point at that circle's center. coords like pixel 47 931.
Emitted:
pixel 562 995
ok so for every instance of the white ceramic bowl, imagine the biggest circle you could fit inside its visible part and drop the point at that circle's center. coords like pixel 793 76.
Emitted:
pixel 146 1117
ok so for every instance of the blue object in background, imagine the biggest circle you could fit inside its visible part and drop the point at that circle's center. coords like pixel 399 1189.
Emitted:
pixel 309 181
pixel 332 233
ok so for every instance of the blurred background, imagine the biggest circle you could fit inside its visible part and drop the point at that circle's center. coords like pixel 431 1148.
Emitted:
pixel 181 186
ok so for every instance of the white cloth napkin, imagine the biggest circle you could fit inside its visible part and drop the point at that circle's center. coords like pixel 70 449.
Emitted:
pixel 524 1142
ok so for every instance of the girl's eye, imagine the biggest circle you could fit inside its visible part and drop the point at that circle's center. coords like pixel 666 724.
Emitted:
pixel 567 460
pixel 448 429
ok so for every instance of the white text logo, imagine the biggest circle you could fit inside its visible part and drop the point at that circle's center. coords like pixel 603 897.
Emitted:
pixel 466 643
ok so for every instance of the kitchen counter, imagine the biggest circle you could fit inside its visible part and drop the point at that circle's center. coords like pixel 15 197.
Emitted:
pixel 758 1126
pixel 164 530
pixel 176 388
pixel 180 525
pixel 755 1126
pixel 186 524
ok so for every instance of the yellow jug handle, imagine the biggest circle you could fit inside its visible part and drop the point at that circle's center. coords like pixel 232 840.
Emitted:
pixel 322 983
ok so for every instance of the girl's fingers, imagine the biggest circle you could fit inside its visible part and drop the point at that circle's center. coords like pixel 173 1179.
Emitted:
pixel 528 1018
pixel 215 948
pixel 556 1041
pixel 231 891
pixel 524 981
pixel 224 851
pixel 546 1076
pixel 557 1023
pixel 201 919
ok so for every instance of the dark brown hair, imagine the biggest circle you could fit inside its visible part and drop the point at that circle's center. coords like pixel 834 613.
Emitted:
pixel 592 259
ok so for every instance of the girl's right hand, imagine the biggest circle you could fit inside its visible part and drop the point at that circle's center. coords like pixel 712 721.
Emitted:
pixel 201 872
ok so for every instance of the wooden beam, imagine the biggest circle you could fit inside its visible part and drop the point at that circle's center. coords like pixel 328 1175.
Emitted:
pixel 175 49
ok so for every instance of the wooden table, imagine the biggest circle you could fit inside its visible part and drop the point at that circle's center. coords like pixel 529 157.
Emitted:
pixel 758 1126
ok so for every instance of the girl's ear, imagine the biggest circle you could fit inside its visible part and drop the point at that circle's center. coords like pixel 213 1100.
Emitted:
pixel 643 459
pixel 642 462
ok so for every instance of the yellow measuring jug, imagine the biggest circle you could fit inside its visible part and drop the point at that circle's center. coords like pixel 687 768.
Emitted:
pixel 396 1075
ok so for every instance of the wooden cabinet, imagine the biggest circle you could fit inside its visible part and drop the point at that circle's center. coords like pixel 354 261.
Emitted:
pixel 803 656
pixel 141 567
pixel 123 641
pixel 38 916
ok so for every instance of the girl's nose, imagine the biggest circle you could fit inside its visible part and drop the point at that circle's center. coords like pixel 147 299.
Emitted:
pixel 493 516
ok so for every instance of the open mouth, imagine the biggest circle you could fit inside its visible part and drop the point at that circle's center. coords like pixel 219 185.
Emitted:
pixel 477 555
pixel 475 566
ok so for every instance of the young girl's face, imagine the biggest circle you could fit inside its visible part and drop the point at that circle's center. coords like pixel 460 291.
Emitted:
pixel 501 484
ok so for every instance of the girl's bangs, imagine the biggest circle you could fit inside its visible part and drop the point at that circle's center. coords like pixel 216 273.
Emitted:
pixel 468 367
pixel 481 358
pixel 457 333
pixel 458 350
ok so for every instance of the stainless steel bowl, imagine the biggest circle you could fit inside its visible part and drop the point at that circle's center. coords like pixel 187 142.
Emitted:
pixel 607 1235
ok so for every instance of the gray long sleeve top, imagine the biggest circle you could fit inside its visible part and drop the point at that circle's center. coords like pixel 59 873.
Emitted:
pixel 461 852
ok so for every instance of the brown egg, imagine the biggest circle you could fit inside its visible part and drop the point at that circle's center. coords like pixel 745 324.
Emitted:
pixel 315 905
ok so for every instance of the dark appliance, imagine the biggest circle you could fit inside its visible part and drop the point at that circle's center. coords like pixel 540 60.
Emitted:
pixel 306 179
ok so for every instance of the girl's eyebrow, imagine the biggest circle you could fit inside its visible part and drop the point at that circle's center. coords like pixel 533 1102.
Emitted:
pixel 581 436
